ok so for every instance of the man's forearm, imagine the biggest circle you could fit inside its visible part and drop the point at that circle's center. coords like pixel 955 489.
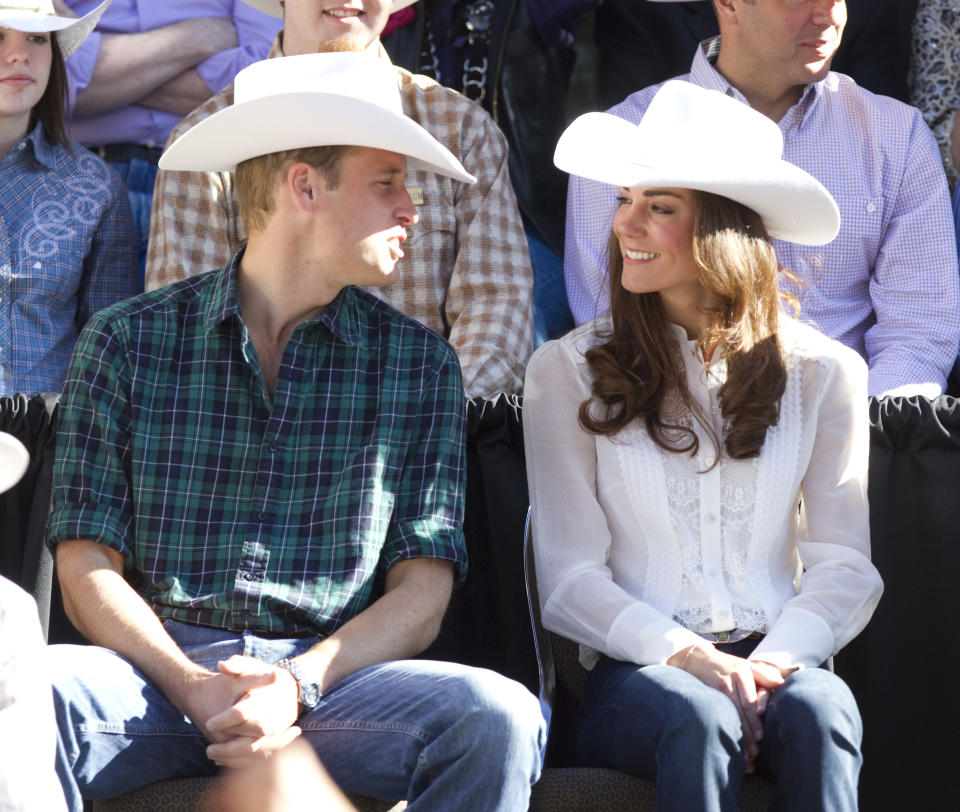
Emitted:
pixel 399 625
pixel 109 613
pixel 180 95
pixel 131 66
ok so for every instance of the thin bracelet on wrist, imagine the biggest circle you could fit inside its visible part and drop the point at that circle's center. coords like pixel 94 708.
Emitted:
pixel 683 665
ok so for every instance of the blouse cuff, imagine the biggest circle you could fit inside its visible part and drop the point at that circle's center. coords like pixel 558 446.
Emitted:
pixel 636 637
pixel 799 638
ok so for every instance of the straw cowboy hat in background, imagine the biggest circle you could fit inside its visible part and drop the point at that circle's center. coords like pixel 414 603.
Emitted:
pixel 694 138
pixel 39 16
pixel 311 100
pixel 275 7
pixel 13 461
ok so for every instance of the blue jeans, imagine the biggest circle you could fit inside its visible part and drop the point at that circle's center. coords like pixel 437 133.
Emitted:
pixel 662 724
pixel 551 312
pixel 442 735
pixel 139 177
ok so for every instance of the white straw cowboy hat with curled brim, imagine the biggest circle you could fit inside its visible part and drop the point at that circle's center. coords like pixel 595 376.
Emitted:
pixel 39 16
pixel 13 461
pixel 275 7
pixel 694 138
pixel 311 100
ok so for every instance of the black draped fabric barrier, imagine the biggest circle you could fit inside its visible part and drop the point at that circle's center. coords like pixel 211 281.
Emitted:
pixel 23 508
pixel 487 622
pixel 903 667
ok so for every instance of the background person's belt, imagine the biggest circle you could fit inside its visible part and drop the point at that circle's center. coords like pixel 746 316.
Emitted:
pixel 120 153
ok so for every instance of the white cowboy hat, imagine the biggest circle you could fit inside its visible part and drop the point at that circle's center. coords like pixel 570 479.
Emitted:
pixel 275 7
pixel 693 138
pixel 311 100
pixel 13 461
pixel 39 16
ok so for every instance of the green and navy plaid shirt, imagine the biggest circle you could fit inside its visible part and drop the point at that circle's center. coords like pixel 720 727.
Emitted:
pixel 235 511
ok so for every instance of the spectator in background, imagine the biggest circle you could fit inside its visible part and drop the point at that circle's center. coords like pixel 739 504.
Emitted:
pixel 888 285
pixel 466 271
pixel 514 59
pixel 67 237
pixel 28 741
pixel 644 43
pixel 935 72
pixel 148 64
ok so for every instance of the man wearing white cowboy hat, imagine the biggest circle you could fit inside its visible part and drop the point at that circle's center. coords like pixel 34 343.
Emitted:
pixel 27 747
pixel 274 460
pixel 888 285
pixel 147 65
pixel 467 272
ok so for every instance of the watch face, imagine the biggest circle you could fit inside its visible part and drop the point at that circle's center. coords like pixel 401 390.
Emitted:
pixel 309 694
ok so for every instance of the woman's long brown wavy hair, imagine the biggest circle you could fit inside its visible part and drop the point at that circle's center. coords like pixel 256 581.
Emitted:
pixel 635 368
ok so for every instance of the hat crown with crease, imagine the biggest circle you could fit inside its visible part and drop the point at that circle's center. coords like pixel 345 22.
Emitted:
pixel 39 16
pixel 694 138
pixel 311 100
pixel 275 9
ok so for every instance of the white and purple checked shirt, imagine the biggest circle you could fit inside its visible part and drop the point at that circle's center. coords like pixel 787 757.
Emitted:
pixel 888 285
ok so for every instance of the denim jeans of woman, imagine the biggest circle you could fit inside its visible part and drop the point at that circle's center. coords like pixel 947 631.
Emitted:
pixel 442 735
pixel 663 724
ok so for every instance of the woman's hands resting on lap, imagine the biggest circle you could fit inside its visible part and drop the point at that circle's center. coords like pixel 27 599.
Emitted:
pixel 747 683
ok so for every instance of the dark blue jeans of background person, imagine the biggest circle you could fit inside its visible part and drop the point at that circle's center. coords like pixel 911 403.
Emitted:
pixel 442 735
pixel 663 724
pixel 551 311
pixel 139 177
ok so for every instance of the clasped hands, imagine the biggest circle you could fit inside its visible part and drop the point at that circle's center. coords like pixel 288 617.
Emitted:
pixel 747 683
pixel 247 709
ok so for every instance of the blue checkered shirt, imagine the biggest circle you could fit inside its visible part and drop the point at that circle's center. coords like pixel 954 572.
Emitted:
pixel 237 511
pixel 887 286
pixel 68 248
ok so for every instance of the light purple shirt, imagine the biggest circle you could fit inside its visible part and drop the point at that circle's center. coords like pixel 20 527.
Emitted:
pixel 888 285
pixel 134 124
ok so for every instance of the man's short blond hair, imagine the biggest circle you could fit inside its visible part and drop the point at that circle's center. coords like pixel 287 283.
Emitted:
pixel 256 178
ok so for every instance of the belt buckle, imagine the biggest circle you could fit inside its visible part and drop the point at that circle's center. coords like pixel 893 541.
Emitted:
pixel 729 636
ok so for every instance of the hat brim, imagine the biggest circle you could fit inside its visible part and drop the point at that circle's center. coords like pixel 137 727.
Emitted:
pixel 309 119
pixel 14 460
pixel 70 31
pixel 274 9
pixel 793 205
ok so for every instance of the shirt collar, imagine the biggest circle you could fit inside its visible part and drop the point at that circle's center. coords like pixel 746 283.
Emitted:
pixel 704 73
pixel 43 151
pixel 342 316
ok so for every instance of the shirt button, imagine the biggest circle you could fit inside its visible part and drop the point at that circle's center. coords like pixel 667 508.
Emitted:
pixel 713 572
pixel 22 145
pixel 708 461
pixel 711 518
pixel 272 448
pixel 246 576
pixel 871 208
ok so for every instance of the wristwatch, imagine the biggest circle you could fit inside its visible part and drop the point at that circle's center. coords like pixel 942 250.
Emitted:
pixel 309 690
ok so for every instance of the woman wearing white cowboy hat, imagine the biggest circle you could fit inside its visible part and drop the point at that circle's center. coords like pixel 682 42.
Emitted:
pixel 668 446
pixel 71 238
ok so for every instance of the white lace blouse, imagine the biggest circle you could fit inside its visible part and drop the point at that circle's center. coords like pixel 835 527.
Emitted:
pixel 638 549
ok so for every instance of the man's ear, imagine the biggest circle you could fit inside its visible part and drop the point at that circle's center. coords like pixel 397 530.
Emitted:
pixel 726 11
pixel 303 183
